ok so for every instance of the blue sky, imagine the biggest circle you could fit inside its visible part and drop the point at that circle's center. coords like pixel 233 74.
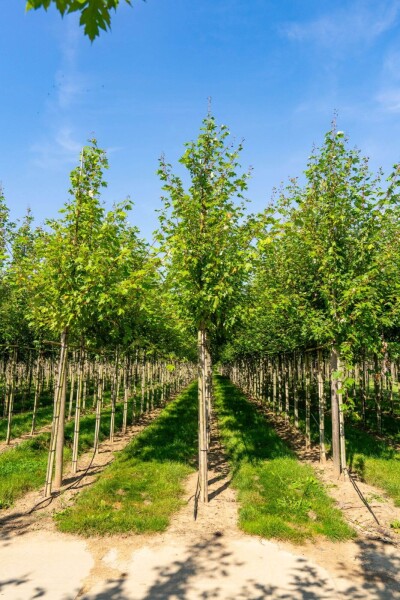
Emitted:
pixel 276 71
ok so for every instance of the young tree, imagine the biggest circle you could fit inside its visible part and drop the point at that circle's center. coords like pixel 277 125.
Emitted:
pixel 205 242
pixel 329 267
pixel 87 266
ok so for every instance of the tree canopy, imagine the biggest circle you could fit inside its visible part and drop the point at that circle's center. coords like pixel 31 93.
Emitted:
pixel 95 15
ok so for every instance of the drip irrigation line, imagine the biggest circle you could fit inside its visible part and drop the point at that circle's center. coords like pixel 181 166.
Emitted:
pixel 60 493
pixel 360 495
pixel 196 498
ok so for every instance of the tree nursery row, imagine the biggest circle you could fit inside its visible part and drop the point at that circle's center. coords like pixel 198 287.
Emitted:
pixel 299 304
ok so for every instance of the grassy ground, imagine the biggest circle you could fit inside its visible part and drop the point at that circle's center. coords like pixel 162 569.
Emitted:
pixel 22 415
pixel 24 468
pixel 143 486
pixel 279 497
pixel 22 419
pixel 375 460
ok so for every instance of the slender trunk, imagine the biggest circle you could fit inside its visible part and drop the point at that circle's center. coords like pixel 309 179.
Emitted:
pixel 71 392
pixel 126 396
pixel 274 385
pixel 308 399
pixel 342 438
pixel 36 399
pixel 203 436
pixel 114 393
pixel 363 386
pixel 378 392
pixel 335 404
pixel 392 377
pixel 321 403
pixel 143 375
pixel 11 395
pixel 280 405
pixel 287 378
pixel 78 405
pixel 57 431
pixel 208 389
pixel 297 372
pixel 99 402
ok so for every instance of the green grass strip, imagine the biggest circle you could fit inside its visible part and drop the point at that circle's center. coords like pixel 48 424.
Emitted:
pixel 23 468
pixel 279 497
pixel 141 489
pixel 376 462
pixel 22 419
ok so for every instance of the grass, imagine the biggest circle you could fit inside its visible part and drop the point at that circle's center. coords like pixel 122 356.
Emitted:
pixel 279 497
pixel 140 490
pixel 375 460
pixel 23 468
pixel 22 421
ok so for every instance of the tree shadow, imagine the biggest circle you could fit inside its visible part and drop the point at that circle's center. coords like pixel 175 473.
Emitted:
pixel 5 585
pixel 209 570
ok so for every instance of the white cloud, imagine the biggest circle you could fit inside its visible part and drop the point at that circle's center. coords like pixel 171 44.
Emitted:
pixel 363 22
pixel 389 100
pixel 59 151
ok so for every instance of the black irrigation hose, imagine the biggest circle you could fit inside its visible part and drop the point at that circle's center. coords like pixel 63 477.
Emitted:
pixel 360 495
pixel 196 498
pixel 353 481
pixel 69 487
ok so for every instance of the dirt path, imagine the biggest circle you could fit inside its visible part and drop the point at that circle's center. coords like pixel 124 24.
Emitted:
pixel 209 557
pixel 203 558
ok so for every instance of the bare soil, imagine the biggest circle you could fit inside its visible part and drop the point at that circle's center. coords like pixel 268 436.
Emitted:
pixel 203 554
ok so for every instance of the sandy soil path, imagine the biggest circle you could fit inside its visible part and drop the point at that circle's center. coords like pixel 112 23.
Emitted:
pixel 206 557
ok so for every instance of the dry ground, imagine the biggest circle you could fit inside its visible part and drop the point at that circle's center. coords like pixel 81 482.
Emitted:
pixel 203 554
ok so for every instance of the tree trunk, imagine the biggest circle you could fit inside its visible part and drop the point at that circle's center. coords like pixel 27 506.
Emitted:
pixel 99 403
pixel 11 394
pixel 307 367
pixel 78 405
pixel 114 394
pixel 37 390
pixel 321 402
pixel 338 438
pixel 203 429
pixel 57 432
pixel 287 373
pixel 297 376
pixel 378 392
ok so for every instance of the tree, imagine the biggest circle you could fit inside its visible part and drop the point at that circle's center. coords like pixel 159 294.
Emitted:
pixel 205 242
pixel 327 269
pixel 87 269
pixel 94 14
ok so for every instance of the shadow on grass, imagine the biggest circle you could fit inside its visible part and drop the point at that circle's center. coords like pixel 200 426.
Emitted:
pixel 280 498
pixel 252 440
pixel 143 486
